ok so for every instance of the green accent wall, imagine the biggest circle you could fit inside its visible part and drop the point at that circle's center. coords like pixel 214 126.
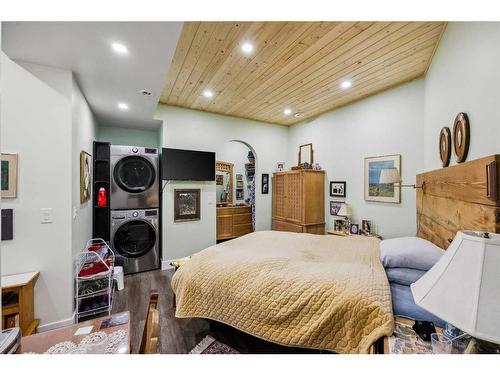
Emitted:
pixel 129 137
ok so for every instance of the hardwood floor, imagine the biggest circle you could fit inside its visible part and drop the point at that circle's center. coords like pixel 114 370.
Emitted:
pixel 180 335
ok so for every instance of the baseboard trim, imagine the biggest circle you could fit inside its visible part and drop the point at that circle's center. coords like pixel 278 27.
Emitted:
pixel 58 324
pixel 165 265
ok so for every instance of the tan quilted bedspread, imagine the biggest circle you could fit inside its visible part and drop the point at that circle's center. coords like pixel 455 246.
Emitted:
pixel 301 290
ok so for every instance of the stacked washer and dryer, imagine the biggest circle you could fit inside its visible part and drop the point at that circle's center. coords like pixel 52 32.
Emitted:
pixel 134 203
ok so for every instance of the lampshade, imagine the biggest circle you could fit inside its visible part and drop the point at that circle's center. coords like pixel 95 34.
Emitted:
pixel 463 287
pixel 389 176
pixel 345 210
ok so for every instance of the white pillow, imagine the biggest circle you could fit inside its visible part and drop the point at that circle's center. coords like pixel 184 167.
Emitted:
pixel 409 252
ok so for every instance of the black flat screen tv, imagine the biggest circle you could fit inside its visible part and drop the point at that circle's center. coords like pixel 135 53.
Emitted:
pixel 187 165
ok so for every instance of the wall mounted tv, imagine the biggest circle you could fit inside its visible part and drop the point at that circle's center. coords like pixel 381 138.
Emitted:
pixel 187 165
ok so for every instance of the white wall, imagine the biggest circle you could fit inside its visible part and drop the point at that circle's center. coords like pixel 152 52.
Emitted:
pixel 236 153
pixel 36 124
pixel 128 136
pixel 53 77
pixel 387 123
pixel 464 77
pixel 196 130
pixel 83 135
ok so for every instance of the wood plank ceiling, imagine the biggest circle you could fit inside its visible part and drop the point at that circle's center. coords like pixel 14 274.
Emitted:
pixel 295 65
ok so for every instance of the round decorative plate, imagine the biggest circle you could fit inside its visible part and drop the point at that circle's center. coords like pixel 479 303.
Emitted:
pixel 461 137
pixel 445 146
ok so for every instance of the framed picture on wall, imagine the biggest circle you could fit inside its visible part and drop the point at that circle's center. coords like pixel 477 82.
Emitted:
pixel 240 194
pixel 374 190
pixel 337 189
pixel 187 205
pixel 265 183
pixel 335 207
pixel 85 176
pixel 9 175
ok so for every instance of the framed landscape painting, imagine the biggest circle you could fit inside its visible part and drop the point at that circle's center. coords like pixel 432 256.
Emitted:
pixel 9 175
pixel 374 190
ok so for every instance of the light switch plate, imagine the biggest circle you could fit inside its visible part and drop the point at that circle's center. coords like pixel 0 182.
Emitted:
pixel 46 215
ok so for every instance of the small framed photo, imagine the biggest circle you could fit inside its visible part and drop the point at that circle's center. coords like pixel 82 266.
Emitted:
pixel 239 194
pixel 340 225
pixel 337 189
pixel 265 183
pixel 280 166
pixel 366 227
pixel 354 229
pixel 335 207
pixel 186 204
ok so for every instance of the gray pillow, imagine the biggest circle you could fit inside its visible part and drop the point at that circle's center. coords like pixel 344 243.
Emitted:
pixel 409 252
pixel 403 276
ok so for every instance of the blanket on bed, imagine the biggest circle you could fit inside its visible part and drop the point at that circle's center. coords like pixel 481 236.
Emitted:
pixel 301 290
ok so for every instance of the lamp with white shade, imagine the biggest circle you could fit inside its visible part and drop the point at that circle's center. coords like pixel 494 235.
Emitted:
pixel 463 287
pixel 392 176
pixel 344 210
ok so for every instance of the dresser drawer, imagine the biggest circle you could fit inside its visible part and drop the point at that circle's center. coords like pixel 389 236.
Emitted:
pixel 242 229
pixel 287 227
pixel 242 219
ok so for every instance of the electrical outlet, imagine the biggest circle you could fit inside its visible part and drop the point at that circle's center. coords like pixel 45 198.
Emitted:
pixel 46 215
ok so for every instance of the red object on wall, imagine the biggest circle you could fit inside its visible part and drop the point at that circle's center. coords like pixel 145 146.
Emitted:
pixel 102 198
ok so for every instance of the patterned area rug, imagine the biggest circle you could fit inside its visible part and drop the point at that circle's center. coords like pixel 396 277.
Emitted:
pixel 209 345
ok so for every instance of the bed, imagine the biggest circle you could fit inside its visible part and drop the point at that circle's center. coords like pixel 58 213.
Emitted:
pixel 300 290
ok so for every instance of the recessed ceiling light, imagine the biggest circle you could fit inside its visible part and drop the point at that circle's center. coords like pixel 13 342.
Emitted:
pixel 119 48
pixel 123 106
pixel 247 48
pixel 287 111
pixel 346 84
pixel 208 93
pixel 299 114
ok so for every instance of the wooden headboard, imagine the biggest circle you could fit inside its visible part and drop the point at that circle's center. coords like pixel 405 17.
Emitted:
pixel 464 196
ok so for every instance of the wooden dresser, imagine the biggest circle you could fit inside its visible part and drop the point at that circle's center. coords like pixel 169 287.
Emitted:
pixel 233 221
pixel 299 201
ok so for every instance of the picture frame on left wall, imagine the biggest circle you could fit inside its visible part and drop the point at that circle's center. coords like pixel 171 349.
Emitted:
pixel 9 175
pixel 85 176
pixel 187 205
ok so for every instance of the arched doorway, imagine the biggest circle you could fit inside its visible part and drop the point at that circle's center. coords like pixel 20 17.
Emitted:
pixel 235 189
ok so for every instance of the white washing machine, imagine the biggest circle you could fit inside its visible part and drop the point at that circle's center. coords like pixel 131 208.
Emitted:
pixel 135 239
pixel 134 177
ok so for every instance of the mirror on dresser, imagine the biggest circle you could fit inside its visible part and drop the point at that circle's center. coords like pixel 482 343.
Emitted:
pixel 224 183
pixel 235 190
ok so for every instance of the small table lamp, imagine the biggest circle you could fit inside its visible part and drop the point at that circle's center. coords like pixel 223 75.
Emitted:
pixel 463 287
pixel 345 211
pixel 392 176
